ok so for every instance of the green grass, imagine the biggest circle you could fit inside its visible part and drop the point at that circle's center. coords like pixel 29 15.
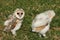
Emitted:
pixel 31 8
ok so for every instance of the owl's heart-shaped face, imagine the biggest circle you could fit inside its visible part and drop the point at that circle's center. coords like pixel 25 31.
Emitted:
pixel 19 13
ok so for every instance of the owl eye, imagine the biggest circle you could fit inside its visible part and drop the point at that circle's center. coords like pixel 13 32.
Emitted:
pixel 18 13
pixel 21 13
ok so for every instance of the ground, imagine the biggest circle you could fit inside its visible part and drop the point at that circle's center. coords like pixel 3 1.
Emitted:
pixel 31 8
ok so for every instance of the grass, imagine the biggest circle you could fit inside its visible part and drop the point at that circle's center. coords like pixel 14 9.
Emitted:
pixel 31 8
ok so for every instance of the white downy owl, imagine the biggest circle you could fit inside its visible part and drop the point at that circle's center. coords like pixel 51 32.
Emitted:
pixel 41 23
pixel 14 21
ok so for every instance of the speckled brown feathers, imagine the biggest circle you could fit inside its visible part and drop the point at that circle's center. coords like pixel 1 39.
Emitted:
pixel 12 25
pixel 37 29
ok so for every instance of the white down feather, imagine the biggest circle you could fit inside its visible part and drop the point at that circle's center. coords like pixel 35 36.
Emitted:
pixel 42 19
